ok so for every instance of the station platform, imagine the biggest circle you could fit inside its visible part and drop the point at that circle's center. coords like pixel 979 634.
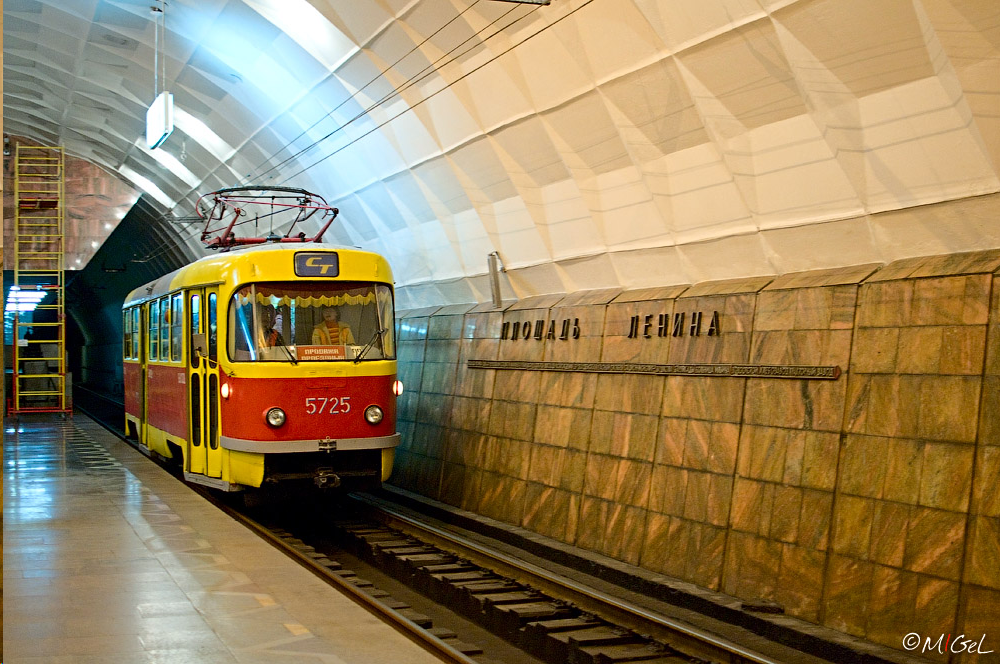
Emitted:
pixel 107 558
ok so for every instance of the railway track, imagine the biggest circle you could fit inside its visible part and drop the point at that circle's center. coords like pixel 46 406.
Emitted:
pixel 551 618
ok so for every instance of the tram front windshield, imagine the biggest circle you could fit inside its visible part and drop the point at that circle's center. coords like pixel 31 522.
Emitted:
pixel 311 322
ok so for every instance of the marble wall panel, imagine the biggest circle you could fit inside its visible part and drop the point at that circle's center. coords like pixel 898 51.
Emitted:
pixel 730 344
pixel 980 622
pixel 609 528
pixel 444 351
pixel 502 497
pixel 863 503
pixel 465 448
pixel 417 472
pixel 517 346
pixel 847 594
pixel 434 408
pixel 629 393
pixel 445 326
pixel 664 546
pixel 563 427
pixel 892 603
pixel 520 386
pixel 704 555
pixel 714 399
pixel 909 458
pixel 512 419
pixel 558 467
pixel 751 569
pixel 651 339
pixel 470 414
pixel 460 486
pixel 551 511
pixel 799 583
pixel 586 324
pixel 629 435
pixel 437 377
pixel 561 388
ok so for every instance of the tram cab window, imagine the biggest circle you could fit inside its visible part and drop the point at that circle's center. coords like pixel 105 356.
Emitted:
pixel 311 321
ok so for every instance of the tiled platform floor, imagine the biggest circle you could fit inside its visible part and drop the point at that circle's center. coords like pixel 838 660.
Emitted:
pixel 107 559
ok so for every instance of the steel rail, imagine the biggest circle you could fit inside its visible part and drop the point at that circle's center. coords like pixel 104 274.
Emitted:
pixel 569 589
pixel 402 624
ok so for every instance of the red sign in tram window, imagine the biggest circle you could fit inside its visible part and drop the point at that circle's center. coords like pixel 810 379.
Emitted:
pixel 321 352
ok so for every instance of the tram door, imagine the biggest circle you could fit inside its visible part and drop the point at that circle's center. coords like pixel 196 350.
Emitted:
pixel 141 321
pixel 203 383
pixel 197 364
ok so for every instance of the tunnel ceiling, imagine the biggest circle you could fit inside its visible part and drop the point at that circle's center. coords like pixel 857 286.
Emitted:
pixel 591 143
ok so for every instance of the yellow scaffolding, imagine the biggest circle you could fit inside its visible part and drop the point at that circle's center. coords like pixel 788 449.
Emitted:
pixel 40 344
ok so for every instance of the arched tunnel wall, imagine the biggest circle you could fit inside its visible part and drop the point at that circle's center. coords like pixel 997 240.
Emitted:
pixel 865 503
pixel 142 247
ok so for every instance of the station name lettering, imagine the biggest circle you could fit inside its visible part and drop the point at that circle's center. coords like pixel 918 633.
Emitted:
pixel 537 329
pixel 679 326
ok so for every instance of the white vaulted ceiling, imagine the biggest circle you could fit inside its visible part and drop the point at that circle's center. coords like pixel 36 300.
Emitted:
pixel 591 143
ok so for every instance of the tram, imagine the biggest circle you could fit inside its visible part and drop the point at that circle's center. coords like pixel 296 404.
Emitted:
pixel 271 362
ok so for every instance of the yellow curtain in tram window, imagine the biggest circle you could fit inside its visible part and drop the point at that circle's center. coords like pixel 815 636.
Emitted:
pixel 303 301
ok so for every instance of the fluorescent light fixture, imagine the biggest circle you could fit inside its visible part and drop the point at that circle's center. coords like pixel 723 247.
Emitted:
pixel 159 120
pixel 146 185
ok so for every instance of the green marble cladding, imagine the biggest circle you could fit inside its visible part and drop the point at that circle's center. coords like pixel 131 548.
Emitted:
pixel 867 504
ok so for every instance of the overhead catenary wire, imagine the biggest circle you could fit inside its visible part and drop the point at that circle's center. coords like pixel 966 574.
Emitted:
pixel 356 93
pixel 413 80
pixel 433 94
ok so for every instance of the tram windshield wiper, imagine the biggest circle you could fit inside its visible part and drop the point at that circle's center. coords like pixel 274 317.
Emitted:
pixel 290 354
pixel 375 337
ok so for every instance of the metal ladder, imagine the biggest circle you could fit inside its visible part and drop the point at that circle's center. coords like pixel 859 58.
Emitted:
pixel 39 383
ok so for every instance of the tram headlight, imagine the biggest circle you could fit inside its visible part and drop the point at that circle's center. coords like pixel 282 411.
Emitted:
pixel 275 417
pixel 397 388
pixel 225 390
pixel 373 414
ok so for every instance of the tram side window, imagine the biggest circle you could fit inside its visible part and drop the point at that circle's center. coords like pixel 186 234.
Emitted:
pixel 127 335
pixel 135 333
pixel 154 327
pixel 165 328
pixel 176 326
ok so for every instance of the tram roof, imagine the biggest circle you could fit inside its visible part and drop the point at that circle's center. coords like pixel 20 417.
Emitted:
pixel 169 282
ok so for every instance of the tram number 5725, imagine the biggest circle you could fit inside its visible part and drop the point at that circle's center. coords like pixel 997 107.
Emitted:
pixel 332 405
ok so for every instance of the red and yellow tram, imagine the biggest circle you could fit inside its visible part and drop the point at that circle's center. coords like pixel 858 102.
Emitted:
pixel 268 364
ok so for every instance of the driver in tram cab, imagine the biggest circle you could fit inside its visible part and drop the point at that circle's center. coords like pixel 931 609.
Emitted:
pixel 331 332
pixel 270 336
